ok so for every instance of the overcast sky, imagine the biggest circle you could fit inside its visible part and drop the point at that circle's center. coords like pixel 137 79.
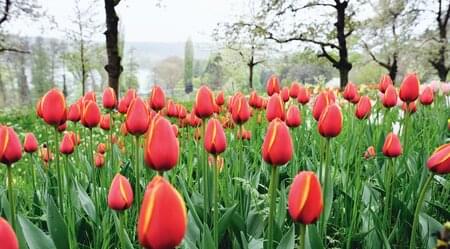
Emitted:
pixel 143 20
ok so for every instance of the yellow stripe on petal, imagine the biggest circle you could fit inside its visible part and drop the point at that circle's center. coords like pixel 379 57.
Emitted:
pixel 149 209
pixel 273 136
pixel 122 190
pixel 304 193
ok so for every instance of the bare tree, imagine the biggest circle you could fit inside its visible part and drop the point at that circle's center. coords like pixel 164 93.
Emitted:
pixel 114 68
pixel 440 59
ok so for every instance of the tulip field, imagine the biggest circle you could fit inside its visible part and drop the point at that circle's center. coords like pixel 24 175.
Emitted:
pixel 295 166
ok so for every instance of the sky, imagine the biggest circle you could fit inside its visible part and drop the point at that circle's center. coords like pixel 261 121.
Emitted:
pixel 142 20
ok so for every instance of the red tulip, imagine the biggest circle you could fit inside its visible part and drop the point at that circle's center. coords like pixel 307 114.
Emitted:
pixel 162 219
pixel 293 118
pixel 109 98
pixel 67 145
pixel 129 96
pixel 215 141
pixel 181 111
pixel 275 108
pixel 285 94
pixel 439 161
pixel 161 149
pixel 255 101
pixel 240 112
pixel 411 107
pixel 90 116
pixel 99 160
pixel 101 148
pixel 157 98
pixel 74 113
pixel 122 106
pixel 7 236
pixel 330 122
pixel 62 127
pixel 90 96
pixel 305 202
pixel 120 196
pixel 385 82
pixel 45 154
pixel 392 146
pixel 244 134
pixel 175 130
pixel 53 106
pixel 409 89
pixel 30 143
pixel 138 117
pixel 277 145
pixel 426 98
pixel 294 90
pixel 123 129
pixel 204 102
pixel 39 108
pixel 220 99
pixel 370 153
pixel 363 108
pixel 193 120
pixel 350 91
pixel 322 101
pixel 303 95
pixel 390 97
pixel 105 122
pixel 172 110
pixel 10 147
pixel 356 99
pixel 273 85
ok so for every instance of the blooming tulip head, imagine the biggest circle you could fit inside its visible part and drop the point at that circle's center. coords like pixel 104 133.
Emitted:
pixel 161 149
pixel 322 101
pixel 275 108
pixel 390 97
pixel 90 116
pixel 120 196
pixel 204 102
pixel 157 98
pixel 109 98
pixel 138 117
pixel 277 146
pixel 330 122
pixel 74 113
pixel 363 108
pixel 240 111
pixel 220 98
pixel 7 235
pixel 162 219
pixel 101 148
pixel 215 141
pixel 350 92
pixel 385 82
pixel 30 143
pixel 409 89
pixel 305 201
pixel 426 98
pixel 273 85
pixel 67 145
pixel 53 107
pixel 10 147
pixel 439 161
pixel 392 146
pixel 293 118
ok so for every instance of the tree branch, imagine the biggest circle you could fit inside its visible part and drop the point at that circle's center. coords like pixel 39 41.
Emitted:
pixel 5 11
pixel 15 50
pixel 374 58
pixel 327 55
pixel 270 36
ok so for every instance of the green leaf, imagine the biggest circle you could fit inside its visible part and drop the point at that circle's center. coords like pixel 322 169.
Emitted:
pixel 123 236
pixel 313 240
pixel 225 220
pixel 288 240
pixel 86 202
pixel 57 226
pixel 36 239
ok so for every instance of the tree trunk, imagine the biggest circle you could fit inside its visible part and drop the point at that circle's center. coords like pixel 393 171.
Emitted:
pixel 343 64
pixel 113 67
pixel 251 65
pixel 83 69
pixel 393 69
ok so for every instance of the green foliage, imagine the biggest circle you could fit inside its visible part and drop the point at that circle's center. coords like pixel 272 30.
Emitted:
pixel 188 66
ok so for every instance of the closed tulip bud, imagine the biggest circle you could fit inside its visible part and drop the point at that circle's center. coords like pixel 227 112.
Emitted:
pixel 277 145
pixel 75 137
pixel 363 108
pixel 109 98
pixel 120 196
pixel 122 106
pixel 175 130
pixel 275 108
pixel 244 134
pixel 99 160
pixel 30 144
pixel 390 97
pixel 411 107
pixel 303 95
pixel 53 106
pixel 285 94
pixel 7 235
pixel 240 112
pixel 392 146
pixel 162 219
pixel 254 100
pixel 101 148
pixel 294 89
pixel 330 122
pixel 305 202
pixel 138 117
pixel 90 116
pixel 204 102
pixel 273 85
pixel 322 101
pixel 10 147
pixel 161 149
pixel 350 92
pixel 67 145
pixel 220 98
pixel 157 98
pixel 370 153
pixel 90 96
pixel 74 113
pixel 426 98
pixel 193 120
pixel 439 161
pixel 181 111
pixel 356 99
pixel 172 110
pixel 293 118
pixel 38 108
pixel 385 82
pixel 105 122
pixel 45 154
pixel 215 141
pixel 409 89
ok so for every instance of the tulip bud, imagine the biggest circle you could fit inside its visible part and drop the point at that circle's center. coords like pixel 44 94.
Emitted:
pixel 101 148
pixel 294 90
pixel 220 99
pixel 45 154
pixel 370 153
pixel 157 98
pixel 363 108
pixel 67 145
pixel 172 110
pixel 426 98
pixel 109 98
pixel 161 149
pixel 105 122
pixel 350 92
pixel 99 160
pixel 273 85
pixel 305 201
pixel 138 117
pixel 90 116
pixel 254 100
pixel 181 111
pixel 7 235
pixel 53 106
pixel 204 102
pixel 285 94
pixel 90 96
pixel 30 143
pixel 122 106
pixel 162 219
pixel 392 146
pixel 10 147
pixel 74 113
pixel 385 82
pixel 39 108
pixel 120 196
pixel 303 95
pixel 390 97
pixel 240 112
pixel 277 145
pixel 215 141
pixel 322 101
pixel 330 122
pixel 244 134
pixel 293 118
pixel 409 89
pixel 439 161
pixel 275 108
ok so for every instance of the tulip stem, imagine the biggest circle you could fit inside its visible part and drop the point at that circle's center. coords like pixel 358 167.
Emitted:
pixel 33 171
pixel 94 171
pixel 111 144
pixel 301 236
pixel 326 169
pixel 12 205
pixel 412 242
pixel 58 171
pixel 136 165
pixel 272 197
pixel 216 204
